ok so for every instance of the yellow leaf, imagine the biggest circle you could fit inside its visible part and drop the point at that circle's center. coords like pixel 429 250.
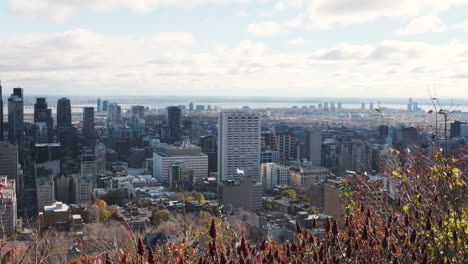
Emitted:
pixel 406 208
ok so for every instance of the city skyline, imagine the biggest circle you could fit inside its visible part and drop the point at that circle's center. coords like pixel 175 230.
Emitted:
pixel 230 47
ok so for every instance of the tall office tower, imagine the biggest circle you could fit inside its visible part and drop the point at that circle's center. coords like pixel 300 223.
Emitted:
pixel 89 165
pixel 16 120
pixel 66 131
pixel 415 107
pixel 332 107
pixel 88 121
pixel 64 113
pixel 313 147
pixel 174 123
pixel 371 106
pixel 138 116
pixel 115 114
pixel 274 175
pixel 209 147
pixel 455 128
pixel 191 106
pixel 325 106
pixel 363 106
pixel 9 165
pixel 286 147
pixel 105 106
pixel 1 113
pixel 238 144
pixel 42 122
pixel 100 153
pixel 8 204
pixel 355 155
pixel 98 105
pixel 340 106
pixel 410 105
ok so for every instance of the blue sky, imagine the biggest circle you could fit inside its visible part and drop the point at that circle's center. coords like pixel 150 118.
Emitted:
pixel 329 48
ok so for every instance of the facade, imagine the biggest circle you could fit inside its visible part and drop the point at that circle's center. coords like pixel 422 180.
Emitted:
pixel 8 205
pixel 354 155
pixel 1 113
pixel 115 115
pixel 100 154
pixel 246 194
pixel 43 122
pixel 89 166
pixel 269 156
pixel 174 123
pixel 64 113
pixel 16 121
pixel 45 191
pixel 98 105
pixel 62 188
pixel 313 147
pixel 273 175
pixel 285 148
pixel 82 189
pixel 238 144
pixel 190 155
pixel 9 165
pixel 88 121
pixel 180 176
pixel 56 214
pixel 305 176
pixel 105 106
pixel 209 147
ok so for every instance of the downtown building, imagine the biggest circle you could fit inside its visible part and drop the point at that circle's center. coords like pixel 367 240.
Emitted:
pixel 9 206
pixel 16 121
pixel 306 175
pixel 190 155
pixel 274 175
pixel 238 145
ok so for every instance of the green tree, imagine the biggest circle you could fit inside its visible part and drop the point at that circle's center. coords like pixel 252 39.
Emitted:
pixel 115 197
pixel 290 193
pixel 200 198
pixel 268 207
pixel 160 216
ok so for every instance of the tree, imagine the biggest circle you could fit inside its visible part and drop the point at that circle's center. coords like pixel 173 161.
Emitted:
pixel 268 206
pixel 306 198
pixel 312 210
pixel 104 215
pixel 290 193
pixel 160 216
pixel 200 198
pixel 115 197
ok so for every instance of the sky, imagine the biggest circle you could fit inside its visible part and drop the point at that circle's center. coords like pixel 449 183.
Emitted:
pixel 275 48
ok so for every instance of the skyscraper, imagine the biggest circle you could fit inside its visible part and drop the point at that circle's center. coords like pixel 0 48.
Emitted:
pixel 313 147
pixel 16 120
pixel 238 144
pixel 98 106
pixel 174 123
pixel 42 122
pixel 191 106
pixel 410 105
pixel 64 113
pixel 88 121
pixel 9 160
pixel 105 106
pixel 1 113
pixel 115 113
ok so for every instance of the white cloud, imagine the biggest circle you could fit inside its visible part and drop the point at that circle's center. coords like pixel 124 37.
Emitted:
pixel 266 29
pixel 60 10
pixel 298 41
pixel 423 24
pixel 82 61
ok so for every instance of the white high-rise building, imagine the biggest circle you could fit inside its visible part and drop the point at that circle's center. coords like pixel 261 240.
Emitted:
pixel 273 175
pixel 239 144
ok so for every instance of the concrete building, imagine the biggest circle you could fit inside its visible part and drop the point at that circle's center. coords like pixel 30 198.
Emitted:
pixel 16 121
pixel 45 190
pixel 9 165
pixel 100 154
pixel 43 122
pixel 273 175
pixel 55 215
pixel 8 205
pixel 210 148
pixel 238 144
pixel 313 147
pixel 63 189
pixel 190 155
pixel 354 155
pixel 180 176
pixel 82 189
pixel 246 193
pixel 115 115
pixel 286 148
pixel 268 156
pixel 1 113
pixel 174 124
pixel 89 166
pixel 306 175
